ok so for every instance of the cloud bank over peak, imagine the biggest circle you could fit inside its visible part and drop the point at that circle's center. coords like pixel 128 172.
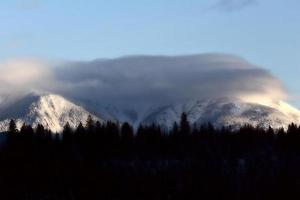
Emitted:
pixel 138 80
pixel 165 79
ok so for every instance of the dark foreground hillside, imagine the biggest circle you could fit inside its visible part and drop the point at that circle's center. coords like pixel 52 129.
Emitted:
pixel 105 161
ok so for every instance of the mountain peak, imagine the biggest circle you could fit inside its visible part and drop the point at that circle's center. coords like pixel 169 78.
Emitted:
pixel 50 110
pixel 232 112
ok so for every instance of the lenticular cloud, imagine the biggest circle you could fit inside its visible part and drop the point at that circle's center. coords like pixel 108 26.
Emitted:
pixel 163 79
pixel 137 80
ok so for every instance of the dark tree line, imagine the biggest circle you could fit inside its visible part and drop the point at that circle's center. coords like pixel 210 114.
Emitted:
pixel 113 161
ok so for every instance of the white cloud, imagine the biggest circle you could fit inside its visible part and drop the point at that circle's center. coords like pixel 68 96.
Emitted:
pixel 233 5
pixel 20 76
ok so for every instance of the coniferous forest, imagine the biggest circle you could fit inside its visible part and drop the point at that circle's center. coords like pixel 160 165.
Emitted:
pixel 114 161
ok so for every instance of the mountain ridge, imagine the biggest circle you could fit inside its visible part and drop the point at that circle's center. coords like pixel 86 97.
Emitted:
pixel 54 111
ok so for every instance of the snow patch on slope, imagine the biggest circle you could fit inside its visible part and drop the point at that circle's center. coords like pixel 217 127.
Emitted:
pixel 52 111
pixel 226 112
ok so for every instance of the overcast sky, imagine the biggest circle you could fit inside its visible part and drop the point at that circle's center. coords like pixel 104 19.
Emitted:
pixel 265 32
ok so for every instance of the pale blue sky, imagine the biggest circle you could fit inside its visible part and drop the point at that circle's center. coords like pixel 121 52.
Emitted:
pixel 265 32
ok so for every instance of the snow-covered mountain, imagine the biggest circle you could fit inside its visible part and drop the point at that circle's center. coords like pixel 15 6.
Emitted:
pixel 227 112
pixel 233 112
pixel 52 111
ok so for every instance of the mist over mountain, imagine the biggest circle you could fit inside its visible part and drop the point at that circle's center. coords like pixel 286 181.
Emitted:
pixel 219 88
pixel 142 79
pixel 136 80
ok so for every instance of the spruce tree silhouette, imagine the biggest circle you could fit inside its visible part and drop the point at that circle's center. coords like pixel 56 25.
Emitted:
pixel 67 133
pixel 12 129
pixel 184 124
pixel 90 124
pixel 113 161
pixel 126 133
pixel 79 133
